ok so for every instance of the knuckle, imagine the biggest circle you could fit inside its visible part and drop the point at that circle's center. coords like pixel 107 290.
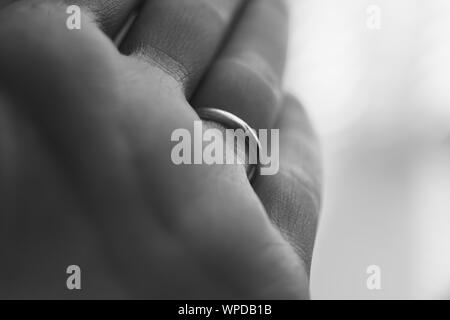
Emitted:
pixel 259 82
pixel 249 90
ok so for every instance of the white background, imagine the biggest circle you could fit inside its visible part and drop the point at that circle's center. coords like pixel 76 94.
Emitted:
pixel 380 100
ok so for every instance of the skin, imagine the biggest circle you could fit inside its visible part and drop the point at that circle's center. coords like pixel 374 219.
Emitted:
pixel 85 171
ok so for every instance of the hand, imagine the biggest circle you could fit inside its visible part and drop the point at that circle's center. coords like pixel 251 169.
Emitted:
pixel 85 171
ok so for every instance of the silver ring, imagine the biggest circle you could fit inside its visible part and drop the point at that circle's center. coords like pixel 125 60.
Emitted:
pixel 230 121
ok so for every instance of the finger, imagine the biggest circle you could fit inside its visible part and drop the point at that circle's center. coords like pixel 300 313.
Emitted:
pixel 181 36
pixel 246 77
pixel 110 15
pixel 292 197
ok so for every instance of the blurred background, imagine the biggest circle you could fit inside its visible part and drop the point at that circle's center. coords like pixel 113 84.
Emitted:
pixel 374 76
